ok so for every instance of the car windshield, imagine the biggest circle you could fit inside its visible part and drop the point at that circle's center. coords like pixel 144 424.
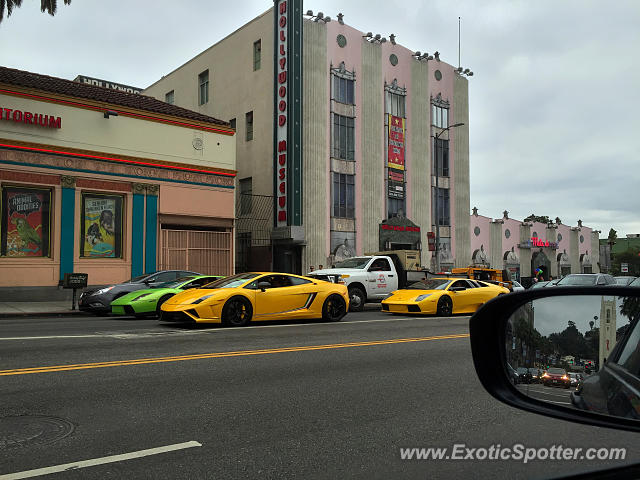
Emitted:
pixel 623 280
pixel 230 282
pixel 635 283
pixel 138 279
pixel 578 280
pixel 556 371
pixel 430 284
pixel 174 283
pixel 522 370
pixel 356 262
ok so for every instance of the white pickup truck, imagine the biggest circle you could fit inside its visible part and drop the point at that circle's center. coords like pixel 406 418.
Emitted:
pixel 368 278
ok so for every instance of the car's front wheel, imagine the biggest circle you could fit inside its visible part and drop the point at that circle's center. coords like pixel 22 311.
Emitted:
pixel 237 312
pixel 357 299
pixel 334 308
pixel 159 304
pixel 445 307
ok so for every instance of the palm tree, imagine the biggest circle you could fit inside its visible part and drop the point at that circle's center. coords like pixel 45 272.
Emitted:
pixel 49 6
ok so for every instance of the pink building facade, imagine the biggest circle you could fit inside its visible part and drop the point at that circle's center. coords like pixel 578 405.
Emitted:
pixel 528 249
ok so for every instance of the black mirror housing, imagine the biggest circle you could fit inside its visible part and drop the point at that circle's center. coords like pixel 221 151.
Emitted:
pixel 487 328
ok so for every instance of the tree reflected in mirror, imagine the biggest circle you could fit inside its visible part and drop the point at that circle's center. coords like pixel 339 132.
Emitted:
pixel 578 351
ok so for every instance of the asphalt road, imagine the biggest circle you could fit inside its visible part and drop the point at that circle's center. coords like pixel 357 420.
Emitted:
pixel 291 400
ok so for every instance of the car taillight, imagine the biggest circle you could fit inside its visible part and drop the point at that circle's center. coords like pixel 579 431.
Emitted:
pixel 564 377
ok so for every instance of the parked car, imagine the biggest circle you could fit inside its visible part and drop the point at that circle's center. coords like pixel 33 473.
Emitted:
pixel 624 281
pixel 442 296
pixel 98 300
pixel 513 375
pixel 147 302
pixel 586 279
pixel 237 300
pixel 517 287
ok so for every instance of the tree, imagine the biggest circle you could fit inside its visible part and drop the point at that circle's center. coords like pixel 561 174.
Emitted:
pixel 535 218
pixel 49 6
pixel 613 236
pixel 631 257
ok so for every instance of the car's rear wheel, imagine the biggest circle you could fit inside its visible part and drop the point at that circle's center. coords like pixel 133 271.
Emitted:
pixel 334 308
pixel 445 307
pixel 237 312
pixel 357 299
pixel 159 304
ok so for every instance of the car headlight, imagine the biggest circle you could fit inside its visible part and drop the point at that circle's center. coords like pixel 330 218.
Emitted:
pixel 103 290
pixel 419 298
pixel 201 299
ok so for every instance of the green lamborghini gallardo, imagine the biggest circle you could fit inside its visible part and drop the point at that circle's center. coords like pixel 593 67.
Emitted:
pixel 142 303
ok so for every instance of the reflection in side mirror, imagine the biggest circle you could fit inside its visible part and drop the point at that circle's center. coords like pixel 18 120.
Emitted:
pixel 577 351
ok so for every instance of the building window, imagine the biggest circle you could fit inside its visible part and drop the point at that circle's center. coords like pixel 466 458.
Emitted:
pixel 246 194
pixel 343 137
pixel 439 116
pixel 395 207
pixel 232 123
pixel 101 226
pixel 442 157
pixel 26 220
pixel 169 97
pixel 395 104
pixel 343 90
pixel 443 213
pixel 257 52
pixel 203 87
pixel 343 195
pixel 249 124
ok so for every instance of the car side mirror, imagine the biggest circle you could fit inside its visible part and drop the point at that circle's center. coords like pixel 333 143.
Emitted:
pixel 563 330
pixel 264 285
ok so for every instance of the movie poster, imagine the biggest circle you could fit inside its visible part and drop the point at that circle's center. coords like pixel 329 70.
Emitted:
pixel 101 226
pixel 25 222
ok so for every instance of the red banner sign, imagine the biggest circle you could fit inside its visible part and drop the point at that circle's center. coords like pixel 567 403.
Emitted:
pixel 395 156
pixel 399 228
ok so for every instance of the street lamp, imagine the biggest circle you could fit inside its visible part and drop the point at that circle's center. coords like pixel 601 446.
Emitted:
pixel 435 164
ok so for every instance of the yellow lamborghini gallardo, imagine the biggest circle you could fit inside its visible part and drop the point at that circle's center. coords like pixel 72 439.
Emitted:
pixel 442 296
pixel 239 299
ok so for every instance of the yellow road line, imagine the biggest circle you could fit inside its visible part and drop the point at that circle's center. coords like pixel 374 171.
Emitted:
pixel 143 361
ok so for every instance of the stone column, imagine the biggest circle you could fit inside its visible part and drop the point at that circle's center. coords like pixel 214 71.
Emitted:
pixel 137 230
pixel 151 228
pixel 495 245
pixel 552 253
pixel 525 253
pixel 67 225
pixel 574 249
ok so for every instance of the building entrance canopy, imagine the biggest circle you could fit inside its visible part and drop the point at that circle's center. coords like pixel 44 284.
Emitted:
pixel 399 233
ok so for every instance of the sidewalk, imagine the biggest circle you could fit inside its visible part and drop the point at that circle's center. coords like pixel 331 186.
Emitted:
pixel 36 309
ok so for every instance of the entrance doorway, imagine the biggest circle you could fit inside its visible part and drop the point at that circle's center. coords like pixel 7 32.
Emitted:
pixel 287 259
pixel 540 261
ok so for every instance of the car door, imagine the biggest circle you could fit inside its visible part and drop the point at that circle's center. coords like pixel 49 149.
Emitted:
pixel 381 279
pixel 459 293
pixel 280 299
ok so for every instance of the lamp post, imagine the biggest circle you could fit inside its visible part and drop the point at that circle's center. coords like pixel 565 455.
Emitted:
pixel 436 169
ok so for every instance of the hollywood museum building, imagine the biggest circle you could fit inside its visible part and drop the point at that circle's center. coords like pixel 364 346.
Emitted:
pixel 338 135
pixel 109 183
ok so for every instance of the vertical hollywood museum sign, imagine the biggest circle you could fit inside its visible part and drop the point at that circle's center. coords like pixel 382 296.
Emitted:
pixel 287 110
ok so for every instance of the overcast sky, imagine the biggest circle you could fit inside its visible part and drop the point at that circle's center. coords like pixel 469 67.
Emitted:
pixel 554 99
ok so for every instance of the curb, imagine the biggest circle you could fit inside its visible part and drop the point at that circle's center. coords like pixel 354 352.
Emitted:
pixel 59 313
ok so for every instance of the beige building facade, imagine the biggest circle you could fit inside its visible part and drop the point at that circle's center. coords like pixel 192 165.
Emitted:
pixel 108 183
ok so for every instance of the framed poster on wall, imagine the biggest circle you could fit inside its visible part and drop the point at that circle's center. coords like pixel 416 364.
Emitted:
pixel 25 222
pixel 101 226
